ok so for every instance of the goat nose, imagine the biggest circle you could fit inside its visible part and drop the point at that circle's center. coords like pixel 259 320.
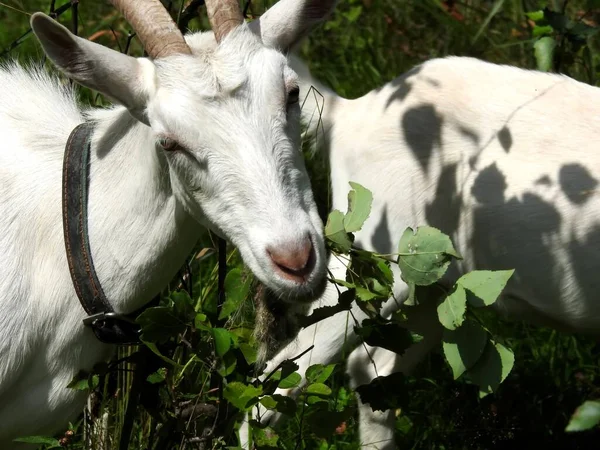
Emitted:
pixel 293 261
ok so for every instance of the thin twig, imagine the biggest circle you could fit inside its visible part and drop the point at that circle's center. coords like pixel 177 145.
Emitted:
pixel 284 361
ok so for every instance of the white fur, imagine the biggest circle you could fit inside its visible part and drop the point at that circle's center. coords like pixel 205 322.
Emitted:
pixel 242 175
pixel 503 160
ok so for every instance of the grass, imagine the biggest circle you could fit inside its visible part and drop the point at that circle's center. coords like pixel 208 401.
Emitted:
pixel 365 44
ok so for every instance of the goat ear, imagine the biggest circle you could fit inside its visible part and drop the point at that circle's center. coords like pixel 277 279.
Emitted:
pixel 120 77
pixel 288 21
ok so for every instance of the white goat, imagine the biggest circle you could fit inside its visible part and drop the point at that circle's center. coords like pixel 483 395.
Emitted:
pixel 504 160
pixel 208 134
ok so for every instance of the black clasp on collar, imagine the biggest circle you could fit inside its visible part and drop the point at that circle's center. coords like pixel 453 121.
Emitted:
pixel 113 328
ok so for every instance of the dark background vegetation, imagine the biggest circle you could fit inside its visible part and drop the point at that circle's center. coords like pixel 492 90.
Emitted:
pixel 365 44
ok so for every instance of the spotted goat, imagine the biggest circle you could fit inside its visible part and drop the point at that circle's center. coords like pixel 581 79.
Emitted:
pixel 503 160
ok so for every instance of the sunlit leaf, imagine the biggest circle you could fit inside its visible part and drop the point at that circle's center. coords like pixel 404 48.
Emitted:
pixel 544 53
pixel 237 287
pixel 158 376
pixel 359 207
pixel 364 294
pixel 265 438
pixel 585 417
pixel 222 339
pixel 485 285
pixel 318 373
pixel 249 352
pixel 291 381
pixel 424 255
pixel 336 233
pixel 199 322
pixel 536 16
pixel 318 389
pixel 240 395
pixel 39 440
pixel 451 312
pixel 84 381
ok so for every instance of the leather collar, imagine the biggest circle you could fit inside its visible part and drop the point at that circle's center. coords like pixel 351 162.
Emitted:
pixel 108 326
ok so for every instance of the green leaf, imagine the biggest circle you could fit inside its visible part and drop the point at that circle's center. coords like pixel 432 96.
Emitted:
pixel 485 285
pixel 159 324
pixel 285 404
pixel 38 440
pixel 237 286
pixel 353 13
pixel 544 53
pixel 359 207
pixel 344 283
pixel 249 352
pixel 364 294
pixel 290 381
pixel 241 396
pixel 84 381
pixel 384 393
pixel 336 233
pixel 227 364
pixel 424 256
pixel 79 382
pixel 268 402
pixel 412 299
pixel 318 373
pixel 157 352
pixel 222 339
pixel 183 306
pixel 370 275
pixel 585 417
pixel 280 403
pixel 536 16
pixel 390 335
pixel 582 30
pixel 265 438
pixel 542 30
pixel 451 312
pixel 387 276
pixel 464 346
pixel 323 423
pixel 199 322
pixel 286 375
pixel 318 389
pixel 492 368
pixel 158 376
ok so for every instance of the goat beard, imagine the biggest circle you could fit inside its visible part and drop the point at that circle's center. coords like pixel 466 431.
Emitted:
pixel 276 323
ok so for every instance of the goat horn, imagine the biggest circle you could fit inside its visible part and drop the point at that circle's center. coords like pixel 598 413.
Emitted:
pixel 224 16
pixel 154 26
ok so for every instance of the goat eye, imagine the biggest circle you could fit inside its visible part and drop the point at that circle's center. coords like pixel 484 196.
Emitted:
pixel 293 96
pixel 168 144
